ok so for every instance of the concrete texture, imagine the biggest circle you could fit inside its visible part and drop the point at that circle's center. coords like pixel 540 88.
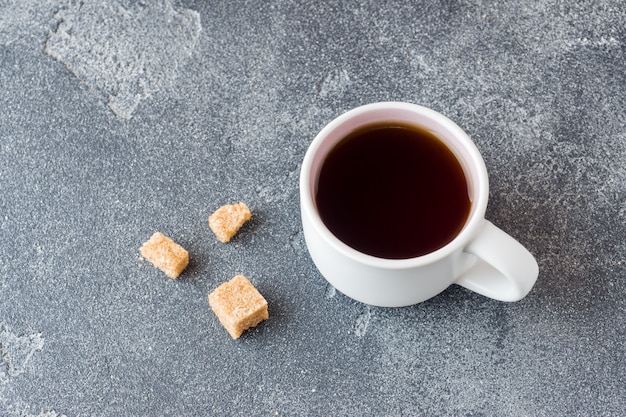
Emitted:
pixel 133 117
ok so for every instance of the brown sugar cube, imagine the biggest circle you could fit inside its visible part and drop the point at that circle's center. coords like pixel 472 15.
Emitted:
pixel 165 254
pixel 238 305
pixel 228 219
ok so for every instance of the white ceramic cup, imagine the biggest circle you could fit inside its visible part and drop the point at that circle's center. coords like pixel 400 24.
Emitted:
pixel 481 257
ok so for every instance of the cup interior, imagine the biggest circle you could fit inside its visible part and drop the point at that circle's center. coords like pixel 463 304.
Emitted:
pixel 446 130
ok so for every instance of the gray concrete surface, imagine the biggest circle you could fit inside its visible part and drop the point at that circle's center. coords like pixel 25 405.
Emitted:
pixel 124 118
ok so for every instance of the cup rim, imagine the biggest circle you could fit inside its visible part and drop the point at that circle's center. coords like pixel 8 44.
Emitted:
pixel 479 179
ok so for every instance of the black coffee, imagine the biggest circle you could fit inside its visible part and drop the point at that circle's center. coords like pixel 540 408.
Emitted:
pixel 393 191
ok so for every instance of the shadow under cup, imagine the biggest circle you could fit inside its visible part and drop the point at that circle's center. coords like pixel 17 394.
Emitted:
pixel 349 238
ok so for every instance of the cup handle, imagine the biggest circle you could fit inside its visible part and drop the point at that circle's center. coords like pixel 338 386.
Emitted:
pixel 505 270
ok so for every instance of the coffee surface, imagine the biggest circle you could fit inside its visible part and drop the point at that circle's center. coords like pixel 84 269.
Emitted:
pixel 393 191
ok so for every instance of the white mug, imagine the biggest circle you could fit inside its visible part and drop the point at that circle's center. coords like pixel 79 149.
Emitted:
pixel 481 257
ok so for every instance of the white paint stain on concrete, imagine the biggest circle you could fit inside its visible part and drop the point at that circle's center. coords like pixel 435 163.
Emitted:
pixel 16 351
pixel 125 52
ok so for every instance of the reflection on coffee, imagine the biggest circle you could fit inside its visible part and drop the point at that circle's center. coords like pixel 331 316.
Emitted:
pixel 393 191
